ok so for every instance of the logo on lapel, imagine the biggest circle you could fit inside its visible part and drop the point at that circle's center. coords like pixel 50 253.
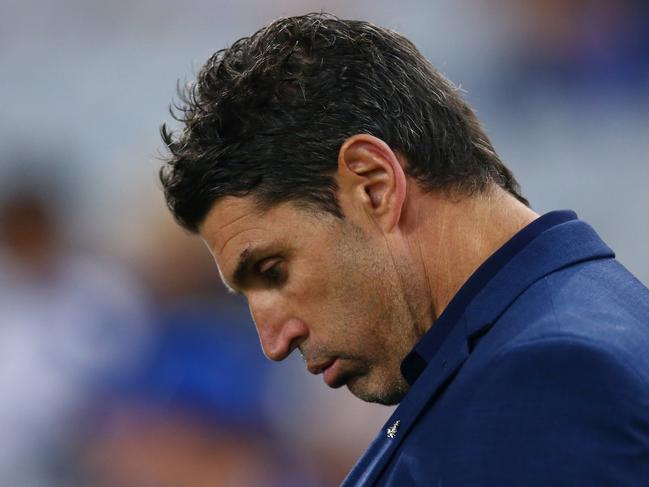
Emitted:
pixel 392 430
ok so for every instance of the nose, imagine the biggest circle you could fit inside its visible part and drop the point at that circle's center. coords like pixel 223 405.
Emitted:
pixel 279 333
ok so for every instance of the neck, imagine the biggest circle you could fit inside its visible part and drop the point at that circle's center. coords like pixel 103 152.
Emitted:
pixel 454 236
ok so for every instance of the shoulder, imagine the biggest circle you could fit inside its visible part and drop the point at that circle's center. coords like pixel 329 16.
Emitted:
pixel 558 409
pixel 582 331
pixel 601 290
pixel 596 306
pixel 586 363
pixel 604 308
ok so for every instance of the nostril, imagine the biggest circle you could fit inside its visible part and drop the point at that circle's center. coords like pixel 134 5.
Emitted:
pixel 279 341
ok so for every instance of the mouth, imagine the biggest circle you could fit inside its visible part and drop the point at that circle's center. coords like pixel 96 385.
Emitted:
pixel 330 371
pixel 332 376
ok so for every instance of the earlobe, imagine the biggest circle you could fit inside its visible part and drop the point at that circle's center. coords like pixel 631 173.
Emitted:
pixel 371 175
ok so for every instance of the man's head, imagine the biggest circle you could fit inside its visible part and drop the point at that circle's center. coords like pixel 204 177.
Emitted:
pixel 300 147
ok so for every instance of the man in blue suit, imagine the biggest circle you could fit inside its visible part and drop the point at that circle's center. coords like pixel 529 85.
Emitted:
pixel 345 188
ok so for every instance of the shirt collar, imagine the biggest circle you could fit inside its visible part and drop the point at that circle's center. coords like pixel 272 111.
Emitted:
pixel 417 360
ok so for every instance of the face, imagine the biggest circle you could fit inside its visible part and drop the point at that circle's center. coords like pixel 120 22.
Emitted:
pixel 322 285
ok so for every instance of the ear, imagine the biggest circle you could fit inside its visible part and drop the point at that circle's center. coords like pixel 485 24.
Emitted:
pixel 371 177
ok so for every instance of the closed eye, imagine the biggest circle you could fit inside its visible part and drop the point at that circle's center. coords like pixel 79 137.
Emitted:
pixel 271 272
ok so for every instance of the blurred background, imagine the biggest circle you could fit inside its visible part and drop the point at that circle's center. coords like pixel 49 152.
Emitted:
pixel 123 363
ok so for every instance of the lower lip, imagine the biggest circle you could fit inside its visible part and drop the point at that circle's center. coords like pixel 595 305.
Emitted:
pixel 331 373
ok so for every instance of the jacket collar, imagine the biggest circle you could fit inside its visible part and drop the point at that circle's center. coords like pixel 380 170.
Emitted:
pixel 552 248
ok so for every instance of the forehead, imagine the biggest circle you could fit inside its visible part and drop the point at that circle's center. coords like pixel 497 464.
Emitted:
pixel 231 218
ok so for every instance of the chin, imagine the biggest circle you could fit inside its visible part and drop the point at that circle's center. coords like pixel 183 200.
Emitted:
pixel 386 394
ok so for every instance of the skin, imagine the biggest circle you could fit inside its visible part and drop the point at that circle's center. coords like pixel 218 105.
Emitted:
pixel 355 295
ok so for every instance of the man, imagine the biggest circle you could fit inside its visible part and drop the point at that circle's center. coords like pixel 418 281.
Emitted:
pixel 345 188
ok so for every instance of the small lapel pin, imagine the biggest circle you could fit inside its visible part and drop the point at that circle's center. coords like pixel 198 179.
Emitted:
pixel 392 430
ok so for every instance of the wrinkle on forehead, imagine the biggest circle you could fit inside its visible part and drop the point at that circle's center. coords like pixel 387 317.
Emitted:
pixel 241 207
pixel 217 222
pixel 238 234
pixel 232 222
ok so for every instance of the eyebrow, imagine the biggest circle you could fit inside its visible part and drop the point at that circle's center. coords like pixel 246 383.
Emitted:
pixel 242 271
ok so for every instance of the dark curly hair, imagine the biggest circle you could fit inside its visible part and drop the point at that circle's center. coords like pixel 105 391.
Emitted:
pixel 266 117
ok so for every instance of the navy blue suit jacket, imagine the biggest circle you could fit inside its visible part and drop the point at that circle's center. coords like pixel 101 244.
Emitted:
pixel 542 379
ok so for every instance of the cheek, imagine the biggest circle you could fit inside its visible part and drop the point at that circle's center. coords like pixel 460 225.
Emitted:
pixel 342 297
pixel 322 297
pixel 376 315
pixel 361 313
